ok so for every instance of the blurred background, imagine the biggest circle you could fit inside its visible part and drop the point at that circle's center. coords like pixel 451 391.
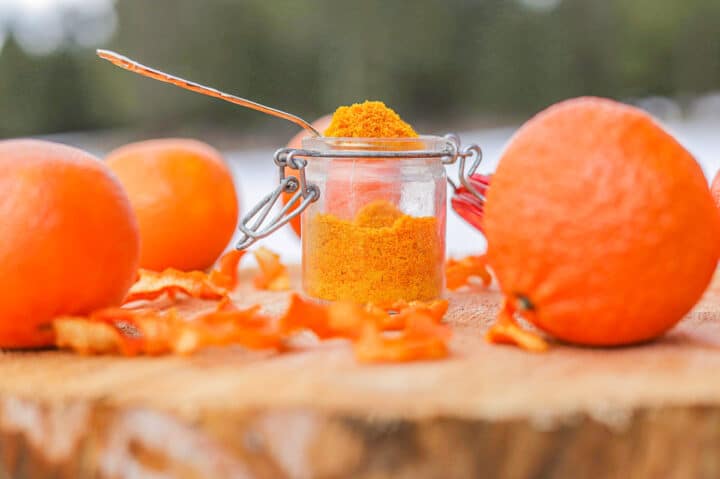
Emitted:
pixel 480 67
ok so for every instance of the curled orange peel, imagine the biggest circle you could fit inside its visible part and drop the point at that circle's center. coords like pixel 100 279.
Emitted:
pixel 305 314
pixel 273 275
pixel 399 310
pixel 506 330
pixel 459 272
pixel 421 339
pixel 114 330
pixel 247 328
pixel 151 285
pixel 414 332
pixel 347 320
pixel 130 333
pixel 225 275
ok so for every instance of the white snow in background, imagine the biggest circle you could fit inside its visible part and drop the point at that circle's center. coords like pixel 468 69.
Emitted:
pixel 42 27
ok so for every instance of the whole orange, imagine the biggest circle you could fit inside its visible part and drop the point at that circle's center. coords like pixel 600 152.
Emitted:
pixel 601 228
pixel 715 189
pixel 70 241
pixel 296 142
pixel 184 198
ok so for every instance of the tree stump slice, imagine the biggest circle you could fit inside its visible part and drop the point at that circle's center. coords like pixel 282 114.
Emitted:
pixel 646 411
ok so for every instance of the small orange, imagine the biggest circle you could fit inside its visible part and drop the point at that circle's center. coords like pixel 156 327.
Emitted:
pixel 601 227
pixel 70 242
pixel 184 198
pixel 296 142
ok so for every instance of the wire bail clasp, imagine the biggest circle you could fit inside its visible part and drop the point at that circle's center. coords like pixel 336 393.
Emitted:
pixel 304 193
pixel 461 155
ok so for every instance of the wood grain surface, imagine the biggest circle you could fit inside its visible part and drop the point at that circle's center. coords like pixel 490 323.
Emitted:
pixel 648 411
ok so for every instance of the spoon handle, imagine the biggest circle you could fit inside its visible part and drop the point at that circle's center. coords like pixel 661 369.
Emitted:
pixel 135 67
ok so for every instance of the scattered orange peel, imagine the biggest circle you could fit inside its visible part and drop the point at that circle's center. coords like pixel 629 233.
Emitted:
pixel 273 275
pixel 347 320
pixel 304 314
pixel 399 311
pixel 114 330
pixel 398 331
pixel 226 274
pixel 130 333
pixel 421 339
pixel 414 332
pixel 459 272
pixel 151 285
pixel 247 328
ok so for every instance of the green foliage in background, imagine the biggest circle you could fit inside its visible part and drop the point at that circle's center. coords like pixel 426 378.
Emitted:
pixel 430 59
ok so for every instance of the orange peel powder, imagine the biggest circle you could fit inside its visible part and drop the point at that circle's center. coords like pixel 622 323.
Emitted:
pixel 381 255
pixel 370 119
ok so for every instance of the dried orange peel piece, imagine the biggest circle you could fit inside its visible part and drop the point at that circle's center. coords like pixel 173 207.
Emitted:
pixel 459 272
pixel 247 328
pixel 273 275
pixel 414 332
pixel 151 285
pixel 129 332
pixel 304 314
pixel 436 309
pixel 108 331
pixel 506 330
pixel 421 339
pixel 86 337
pixel 348 320
pixel 226 274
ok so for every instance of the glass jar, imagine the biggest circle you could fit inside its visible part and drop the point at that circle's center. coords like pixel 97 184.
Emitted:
pixel 377 232
pixel 372 214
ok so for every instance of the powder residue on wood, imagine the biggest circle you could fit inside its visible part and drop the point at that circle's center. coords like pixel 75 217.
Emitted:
pixel 382 255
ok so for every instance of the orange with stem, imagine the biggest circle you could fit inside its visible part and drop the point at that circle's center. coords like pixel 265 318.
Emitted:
pixel 601 228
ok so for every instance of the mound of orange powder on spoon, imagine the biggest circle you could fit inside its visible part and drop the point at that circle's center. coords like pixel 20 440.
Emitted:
pixel 371 119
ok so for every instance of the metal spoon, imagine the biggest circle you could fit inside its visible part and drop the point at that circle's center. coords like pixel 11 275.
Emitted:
pixel 135 67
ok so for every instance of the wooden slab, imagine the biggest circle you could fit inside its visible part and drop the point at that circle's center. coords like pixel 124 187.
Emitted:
pixel 490 411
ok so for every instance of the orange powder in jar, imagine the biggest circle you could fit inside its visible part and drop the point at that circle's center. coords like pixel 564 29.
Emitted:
pixel 382 255
pixel 370 119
